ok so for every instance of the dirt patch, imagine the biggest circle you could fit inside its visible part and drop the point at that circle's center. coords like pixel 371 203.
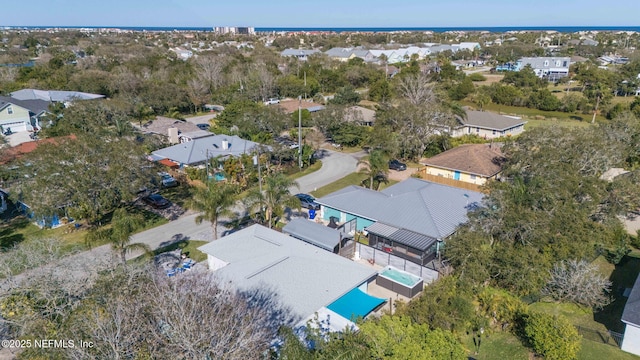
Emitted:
pixel 401 175
pixel 491 79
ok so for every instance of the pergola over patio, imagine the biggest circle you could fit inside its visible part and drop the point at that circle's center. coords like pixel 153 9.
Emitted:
pixel 404 243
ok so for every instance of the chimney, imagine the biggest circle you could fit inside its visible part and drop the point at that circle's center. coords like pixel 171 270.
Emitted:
pixel 173 135
pixel 225 144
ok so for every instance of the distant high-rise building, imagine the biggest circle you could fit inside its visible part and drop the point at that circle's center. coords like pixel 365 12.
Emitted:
pixel 234 30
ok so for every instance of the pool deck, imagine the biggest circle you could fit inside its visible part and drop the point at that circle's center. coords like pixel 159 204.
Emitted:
pixel 376 290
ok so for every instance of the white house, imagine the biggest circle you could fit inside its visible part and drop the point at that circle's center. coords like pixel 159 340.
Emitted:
pixel 631 319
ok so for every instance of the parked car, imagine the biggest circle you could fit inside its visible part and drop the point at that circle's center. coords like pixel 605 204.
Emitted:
pixel 397 165
pixel 307 201
pixel 203 126
pixel 272 101
pixel 156 201
pixel 167 180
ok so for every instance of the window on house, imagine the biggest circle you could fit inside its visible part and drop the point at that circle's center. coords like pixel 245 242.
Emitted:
pixel 546 63
pixel 472 177
pixel 477 129
pixel 564 64
pixel 10 110
pixel 558 63
pixel 494 132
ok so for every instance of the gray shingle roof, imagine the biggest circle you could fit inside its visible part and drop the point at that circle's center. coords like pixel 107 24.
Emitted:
pixel 489 120
pixel 314 233
pixel 34 106
pixel 551 62
pixel 631 313
pixel 197 151
pixel 304 277
pixel 416 205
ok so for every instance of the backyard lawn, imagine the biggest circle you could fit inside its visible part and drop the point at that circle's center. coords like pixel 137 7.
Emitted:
pixel 497 346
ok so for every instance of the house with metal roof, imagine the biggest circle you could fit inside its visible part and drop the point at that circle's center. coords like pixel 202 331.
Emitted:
pixel 198 151
pixel 631 320
pixel 21 115
pixel 488 125
pixel 304 278
pixel 409 219
pixel 316 234
pixel 471 163
pixel 54 95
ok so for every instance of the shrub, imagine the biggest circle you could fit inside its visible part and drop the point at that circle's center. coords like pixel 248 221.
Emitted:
pixel 578 282
pixel 477 77
pixel 552 336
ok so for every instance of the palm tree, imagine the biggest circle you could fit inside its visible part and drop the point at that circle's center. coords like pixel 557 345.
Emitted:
pixel 274 198
pixel 123 224
pixel 215 200
pixel 375 166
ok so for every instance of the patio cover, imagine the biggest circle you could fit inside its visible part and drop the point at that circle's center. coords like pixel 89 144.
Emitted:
pixel 314 233
pixel 354 304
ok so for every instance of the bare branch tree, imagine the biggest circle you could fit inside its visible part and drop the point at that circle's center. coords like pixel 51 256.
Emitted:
pixel 578 282
pixel 417 89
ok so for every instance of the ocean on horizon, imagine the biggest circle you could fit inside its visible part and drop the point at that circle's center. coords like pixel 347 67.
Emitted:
pixel 493 29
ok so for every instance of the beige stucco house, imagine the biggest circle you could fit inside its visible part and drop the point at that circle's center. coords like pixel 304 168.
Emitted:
pixel 471 163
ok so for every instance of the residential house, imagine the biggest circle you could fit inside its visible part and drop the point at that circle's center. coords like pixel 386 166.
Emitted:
pixel 550 68
pixel 304 279
pixel 21 115
pixel 488 125
pixel 24 109
pixel 631 320
pixel 183 54
pixel 300 54
pixel 410 219
pixel 345 54
pixel 471 163
pixel 178 131
pixel 198 151
pixel 360 115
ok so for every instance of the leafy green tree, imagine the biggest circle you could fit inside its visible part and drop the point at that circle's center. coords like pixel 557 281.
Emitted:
pixel 552 336
pixel 345 96
pixel 397 337
pixel 375 166
pixel 446 304
pixel 544 100
pixel 216 199
pixel 123 225
pixel 525 78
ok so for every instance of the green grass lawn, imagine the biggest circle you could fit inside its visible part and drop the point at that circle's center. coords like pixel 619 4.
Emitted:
pixel 497 346
pixel 600 322
pixel 351 179
pixel 558 117
pixel 591 350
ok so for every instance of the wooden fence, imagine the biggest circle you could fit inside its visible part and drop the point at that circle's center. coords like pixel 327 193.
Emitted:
pixel 448 181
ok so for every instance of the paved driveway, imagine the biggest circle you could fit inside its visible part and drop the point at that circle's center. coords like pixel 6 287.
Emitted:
pixel 335 165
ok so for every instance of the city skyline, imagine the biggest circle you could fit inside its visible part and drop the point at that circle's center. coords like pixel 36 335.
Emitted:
pixel 330 13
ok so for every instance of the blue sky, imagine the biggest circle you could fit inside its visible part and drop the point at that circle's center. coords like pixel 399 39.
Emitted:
pixel 321 13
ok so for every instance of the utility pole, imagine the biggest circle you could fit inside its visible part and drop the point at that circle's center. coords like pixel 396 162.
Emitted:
pixel 300 132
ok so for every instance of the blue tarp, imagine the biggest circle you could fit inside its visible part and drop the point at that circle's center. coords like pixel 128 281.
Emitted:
pixel 355 304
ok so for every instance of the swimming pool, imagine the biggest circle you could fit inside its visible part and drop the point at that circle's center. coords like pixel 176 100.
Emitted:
pixel 400 281
pixel 400 276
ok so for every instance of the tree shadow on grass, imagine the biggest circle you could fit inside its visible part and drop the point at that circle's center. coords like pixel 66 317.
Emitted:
pixel 623 277
pixel 8 232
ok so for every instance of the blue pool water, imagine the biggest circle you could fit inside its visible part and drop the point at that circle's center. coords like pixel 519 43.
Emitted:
pixel 219 176
pixel 400 277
